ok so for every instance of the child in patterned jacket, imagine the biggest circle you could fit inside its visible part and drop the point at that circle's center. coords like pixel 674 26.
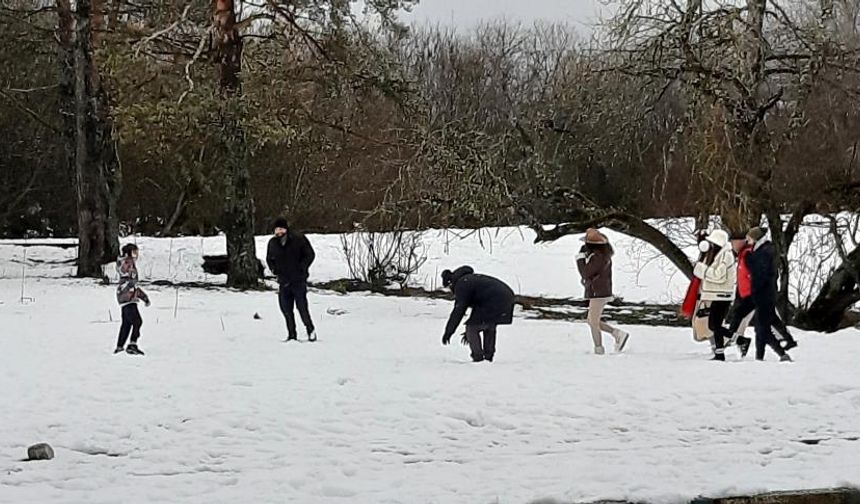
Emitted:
pixel 128 295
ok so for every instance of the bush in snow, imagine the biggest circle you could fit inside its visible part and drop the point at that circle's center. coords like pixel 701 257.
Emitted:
pixel 381 259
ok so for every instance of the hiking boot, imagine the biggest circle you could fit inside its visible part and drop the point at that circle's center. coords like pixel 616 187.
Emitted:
pixel 134 350
pixel 719 357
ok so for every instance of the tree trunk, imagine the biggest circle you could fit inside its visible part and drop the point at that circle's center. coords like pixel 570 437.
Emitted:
pixel 840 292
pixel 96 167
pixel 108 158
pixel 238 215
pixel 782 240
pixel 178 210
pixel 755 43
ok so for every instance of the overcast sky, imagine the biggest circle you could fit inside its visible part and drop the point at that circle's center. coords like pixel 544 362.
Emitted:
pixel 466 13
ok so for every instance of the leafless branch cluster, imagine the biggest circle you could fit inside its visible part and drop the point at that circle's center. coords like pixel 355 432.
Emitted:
pixel 380 259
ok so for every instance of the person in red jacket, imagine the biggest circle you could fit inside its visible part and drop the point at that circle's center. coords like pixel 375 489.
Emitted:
pixel 744 303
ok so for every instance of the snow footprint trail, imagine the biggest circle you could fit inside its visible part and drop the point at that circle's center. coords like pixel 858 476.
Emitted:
pixel 380 412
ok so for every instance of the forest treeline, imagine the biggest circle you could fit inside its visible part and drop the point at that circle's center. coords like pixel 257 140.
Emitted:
pixel 171 117
pixel 501 117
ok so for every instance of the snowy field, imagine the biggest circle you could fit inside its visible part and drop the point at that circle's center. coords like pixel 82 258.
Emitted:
pixel 378 411
pixel 220 410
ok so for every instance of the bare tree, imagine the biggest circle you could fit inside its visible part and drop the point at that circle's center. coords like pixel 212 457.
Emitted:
pixel 750 69
pixel 288 31
pixel 380 259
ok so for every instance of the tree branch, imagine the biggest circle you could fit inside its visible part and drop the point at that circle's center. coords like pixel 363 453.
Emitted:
pixel 30 112
pixel 163 32
pixel 626 223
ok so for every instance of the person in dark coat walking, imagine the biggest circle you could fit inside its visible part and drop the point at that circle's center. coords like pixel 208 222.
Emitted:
pixel 492 304
pixel 128 295
pixel 745 304
pixel 289 257
pixel 762 268
pixel 594 262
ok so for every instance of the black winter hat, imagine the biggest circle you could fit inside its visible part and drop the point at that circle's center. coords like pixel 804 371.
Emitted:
pixel 446 278
pixel 128 248
pixel 450 277
pixel 280 222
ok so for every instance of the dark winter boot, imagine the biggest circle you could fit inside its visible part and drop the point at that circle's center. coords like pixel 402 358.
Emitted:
pixel 488 357
pixel 744 345
pixel 118 349
pixel 719 357
pixel 789 344
pixel 133 350
pixel 477 358
pixel 290 339
pixel 312 336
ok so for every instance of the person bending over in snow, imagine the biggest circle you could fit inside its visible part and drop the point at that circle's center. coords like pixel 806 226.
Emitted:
pixel 128 295
pixel 718 274
pixel 289 257
pixel 492 304
pixel 594 262
pixel 762 266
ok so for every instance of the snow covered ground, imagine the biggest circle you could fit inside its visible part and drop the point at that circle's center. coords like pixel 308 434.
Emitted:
pixel 379 412
pixel 220 410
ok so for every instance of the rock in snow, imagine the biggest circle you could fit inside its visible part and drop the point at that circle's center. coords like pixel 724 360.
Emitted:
pixel 41 451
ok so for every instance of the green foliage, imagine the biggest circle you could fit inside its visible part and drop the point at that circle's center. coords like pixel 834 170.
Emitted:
pixel 35 192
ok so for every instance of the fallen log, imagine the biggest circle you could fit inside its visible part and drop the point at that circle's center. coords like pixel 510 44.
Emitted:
pixel 219 264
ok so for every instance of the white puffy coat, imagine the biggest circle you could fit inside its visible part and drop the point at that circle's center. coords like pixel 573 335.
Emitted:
pixel 719 279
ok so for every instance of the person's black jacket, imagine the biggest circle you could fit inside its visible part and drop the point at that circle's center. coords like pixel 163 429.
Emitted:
pixel 762 265
pixel 291 260
pixel 491 300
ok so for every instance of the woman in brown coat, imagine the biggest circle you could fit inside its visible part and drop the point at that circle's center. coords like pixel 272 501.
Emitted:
pixel 595 267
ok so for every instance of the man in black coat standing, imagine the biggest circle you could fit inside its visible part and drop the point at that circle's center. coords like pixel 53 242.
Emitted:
pixel 492 304
pixel 289 257
pixel 762 267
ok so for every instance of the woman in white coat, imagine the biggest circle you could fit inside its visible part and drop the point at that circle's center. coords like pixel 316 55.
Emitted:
pixel 718 271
